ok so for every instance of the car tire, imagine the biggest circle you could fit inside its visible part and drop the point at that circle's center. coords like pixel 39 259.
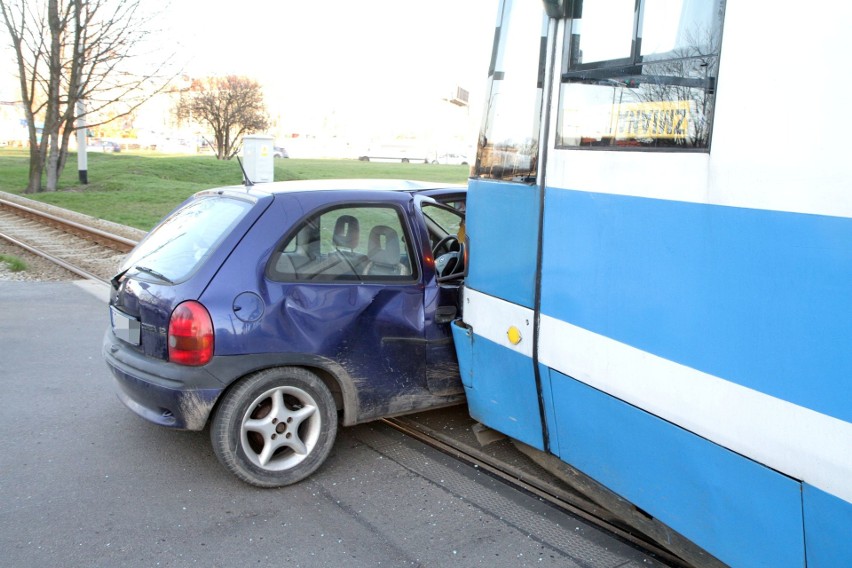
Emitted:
pixel 275 427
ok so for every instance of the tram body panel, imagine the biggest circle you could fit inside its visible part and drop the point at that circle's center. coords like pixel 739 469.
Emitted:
pixel 827 527
pixel 752 296
pixel 691 301
pixel 511 240
pixel 504 378
pixel 729 504
pixel 743 361
pixel 501 385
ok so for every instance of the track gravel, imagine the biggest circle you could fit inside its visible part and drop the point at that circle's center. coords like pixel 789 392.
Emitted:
pixel 39 269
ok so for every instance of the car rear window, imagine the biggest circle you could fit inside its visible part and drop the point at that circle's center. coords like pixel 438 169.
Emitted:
pixel 181 243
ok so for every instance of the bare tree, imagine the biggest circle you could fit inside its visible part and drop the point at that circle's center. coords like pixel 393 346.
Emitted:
pixel 230 106
pixel 69 51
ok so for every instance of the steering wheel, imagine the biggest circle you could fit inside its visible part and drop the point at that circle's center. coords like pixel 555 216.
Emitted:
pixel 447 243
pixel 448 265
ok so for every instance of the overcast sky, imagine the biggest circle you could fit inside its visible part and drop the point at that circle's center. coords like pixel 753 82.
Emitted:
pixel 343 55
pixel 330 37
pixel 354 59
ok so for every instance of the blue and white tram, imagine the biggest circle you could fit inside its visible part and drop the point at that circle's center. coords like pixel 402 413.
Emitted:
pixel 659 287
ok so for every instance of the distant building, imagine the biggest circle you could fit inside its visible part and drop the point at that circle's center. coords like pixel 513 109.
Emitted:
pixel 13 124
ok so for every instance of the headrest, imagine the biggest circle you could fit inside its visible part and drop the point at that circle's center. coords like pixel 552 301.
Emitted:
pixel 383 245
pixel 347 233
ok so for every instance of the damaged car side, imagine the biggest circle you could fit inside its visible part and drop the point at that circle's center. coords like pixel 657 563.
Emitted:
pixel 276 311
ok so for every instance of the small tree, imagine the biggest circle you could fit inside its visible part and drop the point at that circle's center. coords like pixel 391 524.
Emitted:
pixel 231 106
pixel 68 51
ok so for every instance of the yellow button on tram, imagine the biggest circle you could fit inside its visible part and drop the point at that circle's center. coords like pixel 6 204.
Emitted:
pixel 514 335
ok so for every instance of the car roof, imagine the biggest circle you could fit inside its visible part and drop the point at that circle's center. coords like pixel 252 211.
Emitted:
pixel 343 185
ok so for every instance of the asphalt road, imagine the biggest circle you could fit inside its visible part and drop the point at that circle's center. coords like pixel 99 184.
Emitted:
pixel 85 483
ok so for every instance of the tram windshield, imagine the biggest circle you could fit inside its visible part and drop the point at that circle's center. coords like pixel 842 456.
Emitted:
pixel 508 140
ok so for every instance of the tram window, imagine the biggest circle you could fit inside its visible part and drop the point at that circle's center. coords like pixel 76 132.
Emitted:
pixel 672 29
pixel 658 93
pixel 607 31
pixel 508 140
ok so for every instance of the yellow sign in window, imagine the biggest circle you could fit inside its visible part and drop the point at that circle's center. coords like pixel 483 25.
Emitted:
pixel 657 119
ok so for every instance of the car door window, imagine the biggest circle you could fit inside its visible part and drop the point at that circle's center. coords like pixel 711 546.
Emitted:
pixel 442 221
pixel 356 243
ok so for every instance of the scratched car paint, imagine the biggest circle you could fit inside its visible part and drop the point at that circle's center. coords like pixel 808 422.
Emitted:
pixel 279 311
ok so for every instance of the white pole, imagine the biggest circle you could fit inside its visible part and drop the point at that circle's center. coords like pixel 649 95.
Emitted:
pixel 82 131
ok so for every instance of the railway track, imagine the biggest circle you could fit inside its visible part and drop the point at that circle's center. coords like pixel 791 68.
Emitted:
pixel 94 253
pixel 84 250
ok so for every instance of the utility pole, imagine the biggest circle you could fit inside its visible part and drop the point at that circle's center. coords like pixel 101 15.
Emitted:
pixel 82 131
pixel 80 105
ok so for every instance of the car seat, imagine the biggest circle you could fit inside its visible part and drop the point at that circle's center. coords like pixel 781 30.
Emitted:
pixel 347 232
pixel 383 253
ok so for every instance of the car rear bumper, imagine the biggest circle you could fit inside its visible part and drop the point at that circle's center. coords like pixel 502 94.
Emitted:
pixel 164 393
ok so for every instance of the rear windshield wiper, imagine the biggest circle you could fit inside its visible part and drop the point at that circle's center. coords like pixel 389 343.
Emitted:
pixel 117 278
pixel 154 273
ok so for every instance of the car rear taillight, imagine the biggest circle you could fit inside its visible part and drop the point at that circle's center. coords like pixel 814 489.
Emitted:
pixel 190 335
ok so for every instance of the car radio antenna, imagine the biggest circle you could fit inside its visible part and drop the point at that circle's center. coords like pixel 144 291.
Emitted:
pixel 248 182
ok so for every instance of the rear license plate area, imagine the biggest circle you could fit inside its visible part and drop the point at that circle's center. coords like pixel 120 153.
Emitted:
pixel 125 327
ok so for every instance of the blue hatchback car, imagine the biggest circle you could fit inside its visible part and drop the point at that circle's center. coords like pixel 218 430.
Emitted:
pixel 276 311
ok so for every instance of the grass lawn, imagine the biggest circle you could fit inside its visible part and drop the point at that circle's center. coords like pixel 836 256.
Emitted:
pixel 139 189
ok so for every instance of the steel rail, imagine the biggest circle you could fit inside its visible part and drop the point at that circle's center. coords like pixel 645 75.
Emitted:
pixel 58 261
pixel 540 491
pixel 116 242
